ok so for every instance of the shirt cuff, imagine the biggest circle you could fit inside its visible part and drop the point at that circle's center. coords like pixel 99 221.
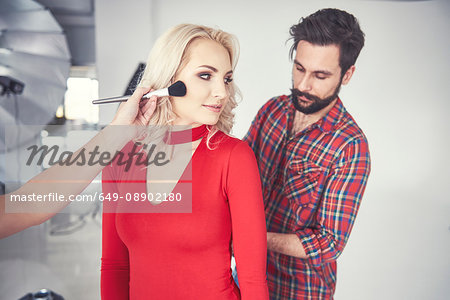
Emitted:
pixel 311 246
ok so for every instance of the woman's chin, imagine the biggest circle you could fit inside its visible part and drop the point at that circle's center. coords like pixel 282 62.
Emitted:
pixel 209 121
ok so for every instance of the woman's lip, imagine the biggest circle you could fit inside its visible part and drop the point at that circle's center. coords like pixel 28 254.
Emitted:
pixel 214 108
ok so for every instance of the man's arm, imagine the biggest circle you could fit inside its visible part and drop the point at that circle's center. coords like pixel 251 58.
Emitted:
pixel 285 243
pixel 337 212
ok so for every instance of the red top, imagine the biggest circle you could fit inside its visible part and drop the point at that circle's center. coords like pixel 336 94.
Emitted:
pixel 187 255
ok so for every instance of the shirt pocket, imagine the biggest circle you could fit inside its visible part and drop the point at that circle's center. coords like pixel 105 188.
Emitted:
pixel 301 188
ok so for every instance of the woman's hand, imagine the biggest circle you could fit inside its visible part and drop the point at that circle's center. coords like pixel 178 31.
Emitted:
pixel 111 139
pixel 134 114
pixel 136 111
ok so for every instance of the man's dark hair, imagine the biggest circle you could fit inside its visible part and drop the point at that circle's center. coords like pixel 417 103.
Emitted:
pixel 331 26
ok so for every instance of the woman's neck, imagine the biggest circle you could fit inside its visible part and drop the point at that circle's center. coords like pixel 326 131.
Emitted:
pixel 185 135
pixel 182 124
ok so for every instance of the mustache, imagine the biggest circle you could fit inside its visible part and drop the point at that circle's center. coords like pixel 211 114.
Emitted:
pixel 298 93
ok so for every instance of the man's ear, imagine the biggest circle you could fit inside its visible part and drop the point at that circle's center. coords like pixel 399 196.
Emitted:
pixel 348 75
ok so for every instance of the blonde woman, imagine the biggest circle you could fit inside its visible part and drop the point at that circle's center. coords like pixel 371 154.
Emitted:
pixel 171 255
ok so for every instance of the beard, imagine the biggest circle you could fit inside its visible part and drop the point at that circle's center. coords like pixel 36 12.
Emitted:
pixel 316 104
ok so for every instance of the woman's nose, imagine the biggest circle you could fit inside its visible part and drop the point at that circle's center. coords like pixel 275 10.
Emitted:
pixel 220 90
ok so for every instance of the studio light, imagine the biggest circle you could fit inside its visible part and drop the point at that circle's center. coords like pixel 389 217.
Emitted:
pixel 10 85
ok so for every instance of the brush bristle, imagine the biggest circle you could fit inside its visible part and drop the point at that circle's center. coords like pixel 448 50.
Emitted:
pixel 178 89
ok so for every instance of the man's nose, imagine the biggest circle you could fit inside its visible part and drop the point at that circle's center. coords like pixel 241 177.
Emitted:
pixel 305 84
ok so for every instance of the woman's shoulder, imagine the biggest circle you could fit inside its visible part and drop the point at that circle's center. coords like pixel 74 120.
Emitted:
pixel 229 145
pixel 225 140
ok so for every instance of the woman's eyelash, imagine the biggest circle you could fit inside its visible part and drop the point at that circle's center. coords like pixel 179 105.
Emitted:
pixel 207 76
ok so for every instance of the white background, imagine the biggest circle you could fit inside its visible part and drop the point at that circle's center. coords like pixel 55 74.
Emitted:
pixel 400 245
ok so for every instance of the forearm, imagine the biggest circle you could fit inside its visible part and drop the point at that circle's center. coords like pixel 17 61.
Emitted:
pixel 107 140
pixel 59 179
pixel 285 243
pixel 66 180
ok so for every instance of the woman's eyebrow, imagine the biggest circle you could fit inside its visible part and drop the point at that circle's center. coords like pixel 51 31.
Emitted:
pixel 209 67
pixel 214 69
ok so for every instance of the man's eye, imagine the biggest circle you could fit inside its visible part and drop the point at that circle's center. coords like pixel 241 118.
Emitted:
pixel 321 77
pixel 228 80
pixel 205 76
pixel 300 70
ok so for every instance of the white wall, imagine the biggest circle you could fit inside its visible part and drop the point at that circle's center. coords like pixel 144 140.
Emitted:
pixel 123 38
pixel 400 245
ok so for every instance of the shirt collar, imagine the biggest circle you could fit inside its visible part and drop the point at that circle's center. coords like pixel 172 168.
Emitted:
pixel 332 118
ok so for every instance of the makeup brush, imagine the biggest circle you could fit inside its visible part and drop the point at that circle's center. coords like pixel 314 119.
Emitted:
pixel 178 89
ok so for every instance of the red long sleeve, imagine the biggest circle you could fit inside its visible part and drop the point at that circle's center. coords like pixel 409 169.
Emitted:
pixel 115 271
pixel 248 222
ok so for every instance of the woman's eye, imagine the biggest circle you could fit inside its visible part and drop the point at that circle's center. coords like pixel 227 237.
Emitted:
pixel 205 76
pixel 228 80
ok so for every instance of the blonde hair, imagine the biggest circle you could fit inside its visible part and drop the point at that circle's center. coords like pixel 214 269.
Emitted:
pixel 169 55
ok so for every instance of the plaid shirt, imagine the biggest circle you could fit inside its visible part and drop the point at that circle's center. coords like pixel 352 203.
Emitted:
pixel 312 186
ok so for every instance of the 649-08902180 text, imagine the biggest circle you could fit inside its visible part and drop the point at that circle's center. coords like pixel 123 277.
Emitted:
pixel 112 197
